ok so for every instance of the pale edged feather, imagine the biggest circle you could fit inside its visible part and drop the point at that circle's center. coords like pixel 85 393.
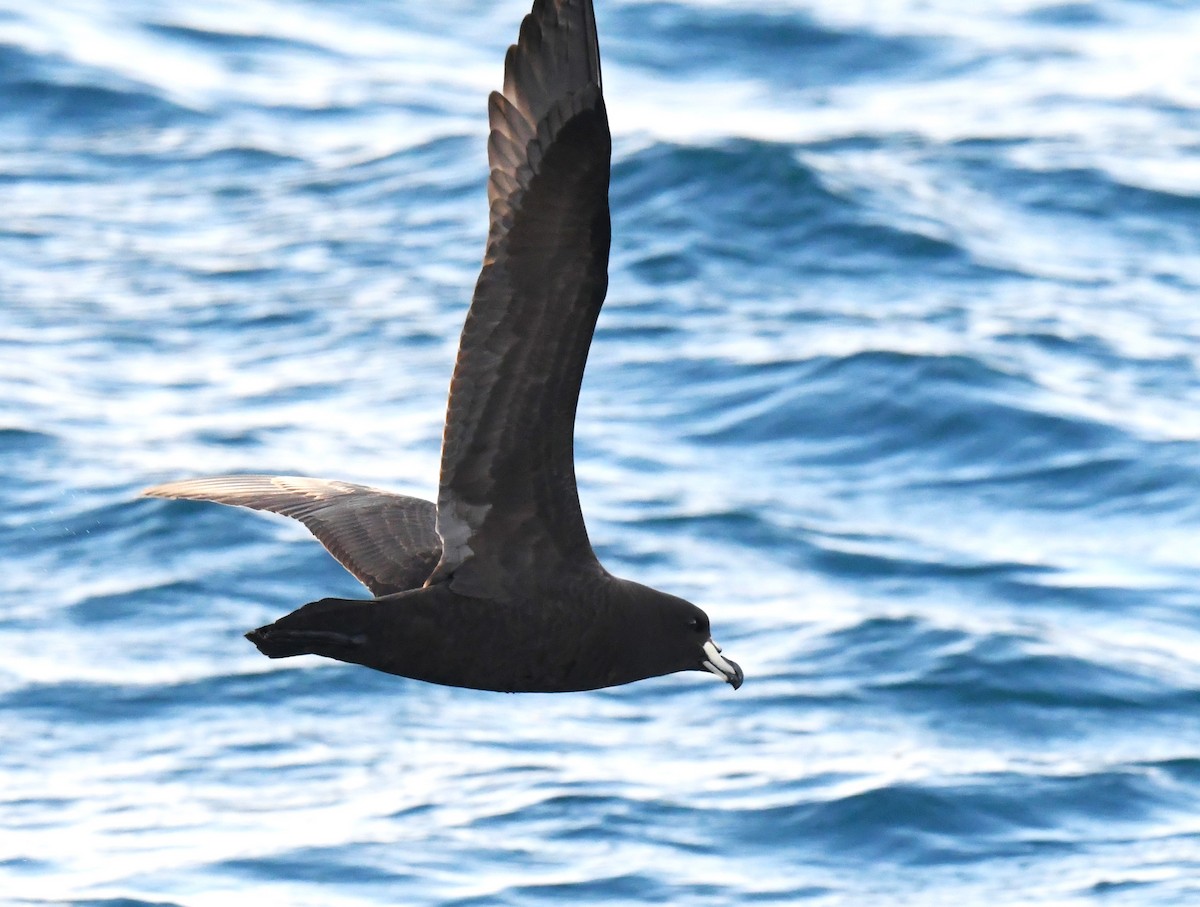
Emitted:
pixel 387 541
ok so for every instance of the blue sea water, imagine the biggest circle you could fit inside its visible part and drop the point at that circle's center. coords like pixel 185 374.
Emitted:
pixel 899 379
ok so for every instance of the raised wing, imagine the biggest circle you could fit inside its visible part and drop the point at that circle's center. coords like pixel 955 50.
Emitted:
pixel 508 498
pixel 388 541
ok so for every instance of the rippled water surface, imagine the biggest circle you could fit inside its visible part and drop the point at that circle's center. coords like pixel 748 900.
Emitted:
pixel 899 378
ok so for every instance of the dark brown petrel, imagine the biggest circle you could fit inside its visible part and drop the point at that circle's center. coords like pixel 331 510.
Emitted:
pixel 497 587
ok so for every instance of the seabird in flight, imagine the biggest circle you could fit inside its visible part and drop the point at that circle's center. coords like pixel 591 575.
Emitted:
pixel 496 587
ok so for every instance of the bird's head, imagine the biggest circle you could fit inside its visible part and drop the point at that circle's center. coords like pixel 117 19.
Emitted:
pixel 674 635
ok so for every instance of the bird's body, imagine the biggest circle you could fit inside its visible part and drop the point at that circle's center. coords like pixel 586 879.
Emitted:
pixel 560 637
pixel 496 586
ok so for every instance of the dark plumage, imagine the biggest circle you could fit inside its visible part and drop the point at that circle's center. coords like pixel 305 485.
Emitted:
pixel 497 587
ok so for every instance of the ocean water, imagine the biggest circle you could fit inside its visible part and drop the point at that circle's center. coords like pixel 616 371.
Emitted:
pixel 899 379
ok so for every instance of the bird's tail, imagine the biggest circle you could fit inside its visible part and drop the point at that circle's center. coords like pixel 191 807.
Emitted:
pixel 333 627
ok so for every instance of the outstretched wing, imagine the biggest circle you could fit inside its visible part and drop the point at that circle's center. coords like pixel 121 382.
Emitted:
pixel 388 541
pixel 507 498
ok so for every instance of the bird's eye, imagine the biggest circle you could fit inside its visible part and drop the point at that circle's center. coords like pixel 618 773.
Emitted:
pixel 698 624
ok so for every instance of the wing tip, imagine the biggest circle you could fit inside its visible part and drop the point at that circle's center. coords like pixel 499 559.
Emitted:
pixel 546 57
pixel 196 489
pixel 164 490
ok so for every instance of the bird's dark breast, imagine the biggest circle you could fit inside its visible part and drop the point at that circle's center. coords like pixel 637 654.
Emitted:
pixel 543 641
